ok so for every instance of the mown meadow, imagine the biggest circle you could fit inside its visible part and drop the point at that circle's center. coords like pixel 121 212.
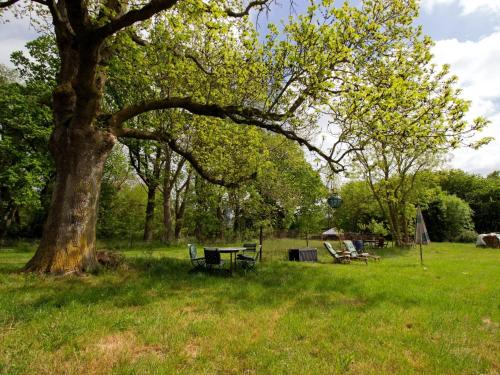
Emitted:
pixel 153 316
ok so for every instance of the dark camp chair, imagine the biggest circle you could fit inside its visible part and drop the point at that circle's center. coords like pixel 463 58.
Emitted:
pixel 249 248
pixel 197 262
pixel 249 262
pixel 337 258
pixel 359 245
pixel 212 258
pixel 353 253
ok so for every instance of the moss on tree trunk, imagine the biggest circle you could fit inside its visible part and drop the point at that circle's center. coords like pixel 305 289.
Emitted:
pixel 68 241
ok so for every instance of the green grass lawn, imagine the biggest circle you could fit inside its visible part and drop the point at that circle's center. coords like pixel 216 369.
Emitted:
pixel 152 316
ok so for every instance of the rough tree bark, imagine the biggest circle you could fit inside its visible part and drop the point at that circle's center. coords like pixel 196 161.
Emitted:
pixel 404 224
pixel 167 217
pixel 181 197
pixel 79 149
pixel 394 225
pixel 167 195
pixel 198 188
pixel 148 166
pixel 220 218
pixel 68 241
pixel 150 212
pixel 172 170
pixel 6 218
pixel 238 216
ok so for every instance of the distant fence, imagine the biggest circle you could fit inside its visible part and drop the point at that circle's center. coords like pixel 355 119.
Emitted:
pixel 295 234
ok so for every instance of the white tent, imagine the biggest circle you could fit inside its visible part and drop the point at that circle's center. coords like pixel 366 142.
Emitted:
pixel 331 233
pixel 480 239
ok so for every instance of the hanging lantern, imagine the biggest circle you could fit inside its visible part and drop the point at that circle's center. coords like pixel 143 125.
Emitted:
pixel 334 201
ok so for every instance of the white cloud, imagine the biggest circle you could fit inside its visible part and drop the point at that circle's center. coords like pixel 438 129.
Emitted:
pixel 9 46
pixel 14 33
pixel 467 6
pixel 476 65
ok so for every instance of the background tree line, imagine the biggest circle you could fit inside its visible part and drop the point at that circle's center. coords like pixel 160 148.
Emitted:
pixel 151 192
pixel 456 206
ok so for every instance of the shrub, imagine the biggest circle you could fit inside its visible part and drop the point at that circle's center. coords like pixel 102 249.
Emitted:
pixel 466 236
pixel 447 217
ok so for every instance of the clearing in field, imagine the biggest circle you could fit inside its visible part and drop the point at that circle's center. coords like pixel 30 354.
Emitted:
pixel 392 316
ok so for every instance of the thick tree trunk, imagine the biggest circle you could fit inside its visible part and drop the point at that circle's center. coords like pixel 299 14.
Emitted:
pixel 167 217
pixel 198 187
pixel 179 219
pixel 7 212
pixel 404 226
pixel 6 220
pixel 394 225
pixel 180 205
pixel 222 224
pixel 150 212
pixel 167 196
pixel 237 219
pixel 178 228
pixel 170 178
pixel 220 217
pixel 68 241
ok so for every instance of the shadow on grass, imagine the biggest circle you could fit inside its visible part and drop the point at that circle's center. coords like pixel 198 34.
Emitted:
pixel 391 252
pixel 305 287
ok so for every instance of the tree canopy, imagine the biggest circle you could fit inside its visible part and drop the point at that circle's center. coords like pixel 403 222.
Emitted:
pixel 404 117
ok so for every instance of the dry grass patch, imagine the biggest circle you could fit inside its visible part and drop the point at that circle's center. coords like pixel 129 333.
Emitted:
pixel 110 351
pixel 192 349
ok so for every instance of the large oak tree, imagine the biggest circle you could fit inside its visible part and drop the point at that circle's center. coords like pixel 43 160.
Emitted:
pixel 274 85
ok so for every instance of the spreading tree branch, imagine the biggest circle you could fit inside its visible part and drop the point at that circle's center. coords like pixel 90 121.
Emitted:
pixel 246 11
pixel 136 15
pixel 174 146
pixel 211 110
pixel 243 116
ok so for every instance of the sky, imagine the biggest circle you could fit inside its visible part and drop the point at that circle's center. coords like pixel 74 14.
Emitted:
pixel 467 36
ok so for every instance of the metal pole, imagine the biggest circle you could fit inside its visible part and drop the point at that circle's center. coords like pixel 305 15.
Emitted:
pixel 421 258
pixel 260 243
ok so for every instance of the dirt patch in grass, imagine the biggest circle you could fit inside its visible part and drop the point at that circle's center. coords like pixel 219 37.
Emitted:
pixel 118 344
pixel 108 352
pixel 415 359
pixel 490 323
pixel 115 344
pixel 192 350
